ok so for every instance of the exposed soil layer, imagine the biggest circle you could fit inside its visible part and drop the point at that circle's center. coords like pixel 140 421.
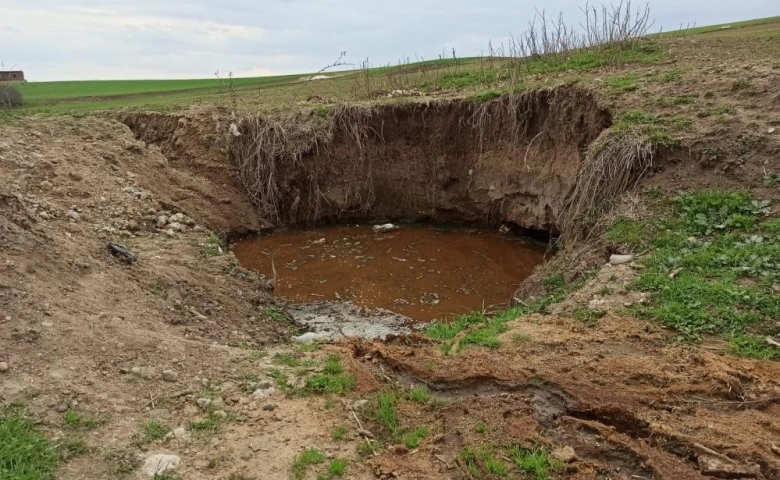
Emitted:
pixel 629 404
pixel 421 272
pixel 513 159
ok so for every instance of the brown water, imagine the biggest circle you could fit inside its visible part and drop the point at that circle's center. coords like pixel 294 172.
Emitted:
pixel 423 273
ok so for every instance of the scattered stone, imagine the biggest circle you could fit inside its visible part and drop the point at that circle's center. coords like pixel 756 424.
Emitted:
pixel 620 259
pixel 564 454
pixel 170 375
pixel 121 252
pixel 358 405
pixel 263 385
pixel 203 403
pixel 264 392
pixel 159 464
pixel 269 406
pixel 220 414
pixel 180 432
pixel 144 372
pixel 771 130
pixel 124 370
pixel 217 402
pixel 161 221
pixel 4 367
pixel 387 227
pixel 204 381
pixel 73 215
pixel 46 185
pixel 176 227
pixel 62 408
pixel 47 324
pixel 176 218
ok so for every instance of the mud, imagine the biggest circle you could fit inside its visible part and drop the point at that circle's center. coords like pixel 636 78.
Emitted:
pixel 421 272
pixel 331 321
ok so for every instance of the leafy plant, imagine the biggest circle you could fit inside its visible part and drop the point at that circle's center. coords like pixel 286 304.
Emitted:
pixel 213 246
pixel 419 395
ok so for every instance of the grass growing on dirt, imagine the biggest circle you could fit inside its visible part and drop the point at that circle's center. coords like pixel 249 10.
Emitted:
pixel 155 430
pixel 713 267
pixel 534 462
pixel 79 421
pixel 304 460
pixel 25 453
pixel 332 379
pixel 213 246
pixel 482 329
pixel 419 395
pixel 382 411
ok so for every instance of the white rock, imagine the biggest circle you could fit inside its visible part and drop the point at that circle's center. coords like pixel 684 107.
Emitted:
pixel 73 215
pixel 177 218
pixel 771 130
pixel 311 337
pixel 204 403
pixel 3 367
pixel 387 227
pixel 160 463
pixel 176 227
pixel 180 432
pixel 621 259
pixel 47 324
pixel 162 220
pixel 264 392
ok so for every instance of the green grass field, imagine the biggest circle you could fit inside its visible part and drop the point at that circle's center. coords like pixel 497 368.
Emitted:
pixel 473 76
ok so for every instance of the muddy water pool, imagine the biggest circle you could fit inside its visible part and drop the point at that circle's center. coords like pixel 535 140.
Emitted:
pixel 419 272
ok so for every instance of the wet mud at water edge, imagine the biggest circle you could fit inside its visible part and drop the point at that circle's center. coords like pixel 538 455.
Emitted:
pixel 424 273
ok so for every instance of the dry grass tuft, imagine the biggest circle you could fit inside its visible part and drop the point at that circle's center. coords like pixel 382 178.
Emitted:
pixel 613 165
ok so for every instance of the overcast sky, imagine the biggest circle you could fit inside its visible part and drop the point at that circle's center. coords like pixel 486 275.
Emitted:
pixel 109 39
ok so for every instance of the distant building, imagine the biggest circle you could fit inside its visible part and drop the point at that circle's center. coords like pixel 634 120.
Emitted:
pixel 11 76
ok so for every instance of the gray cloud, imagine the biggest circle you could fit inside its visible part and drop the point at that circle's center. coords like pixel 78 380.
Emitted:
pixel 84 39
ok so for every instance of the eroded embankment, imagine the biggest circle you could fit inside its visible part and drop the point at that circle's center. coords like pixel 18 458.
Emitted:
pixel 510 160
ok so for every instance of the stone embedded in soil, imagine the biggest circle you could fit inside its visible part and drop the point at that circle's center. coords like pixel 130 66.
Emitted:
pixel 263 385
pixel 713 466
pixel 159 464
pixel 621 259
pixel 220 414
pixel 269 406
pixel 4 367
pixel 264 392
pixel 170 375
pixel 564 454
pixel 203 403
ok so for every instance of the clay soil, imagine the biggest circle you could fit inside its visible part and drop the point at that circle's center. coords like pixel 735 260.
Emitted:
pixel 83 331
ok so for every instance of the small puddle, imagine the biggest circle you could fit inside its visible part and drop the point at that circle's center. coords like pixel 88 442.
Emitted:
pixel 422 273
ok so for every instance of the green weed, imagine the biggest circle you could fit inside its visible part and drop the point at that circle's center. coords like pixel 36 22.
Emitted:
pixel 622 84
pixel 208 425
pixel 213 246
pixel 366 448
pixel 419 395
pixel 304 460
pixel 25 453
pixel 711 267
pixel 674 100
pixel 740 83
pixel 484 97
pixel 534 462
pixel 155 430
pixel 79 421
pixel 275 314
pixel 412 439
pixel 339 433
pixel 287 359
pixel 753 347
pixel 332 379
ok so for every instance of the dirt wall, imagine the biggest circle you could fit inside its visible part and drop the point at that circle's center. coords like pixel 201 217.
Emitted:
pixel 513 159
